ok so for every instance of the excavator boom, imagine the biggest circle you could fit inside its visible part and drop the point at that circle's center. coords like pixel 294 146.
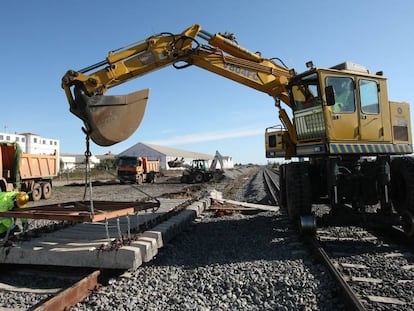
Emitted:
pixel 111 119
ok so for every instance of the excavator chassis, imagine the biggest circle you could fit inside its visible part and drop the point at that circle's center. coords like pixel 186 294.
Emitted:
pixel 357 191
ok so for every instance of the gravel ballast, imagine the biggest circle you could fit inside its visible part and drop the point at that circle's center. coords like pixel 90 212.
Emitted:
pixel 228 263
pixel 233 262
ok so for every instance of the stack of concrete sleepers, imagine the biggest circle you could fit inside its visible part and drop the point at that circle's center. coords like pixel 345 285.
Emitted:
pixel 84 245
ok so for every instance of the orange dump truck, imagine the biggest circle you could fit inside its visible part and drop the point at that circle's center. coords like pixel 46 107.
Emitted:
pixel 137 169
pixel 32 173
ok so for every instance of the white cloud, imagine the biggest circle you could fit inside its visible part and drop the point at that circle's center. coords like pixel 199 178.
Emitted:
pixel 209 136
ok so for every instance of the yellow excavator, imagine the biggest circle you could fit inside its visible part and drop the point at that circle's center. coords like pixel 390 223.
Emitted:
pixel 348 143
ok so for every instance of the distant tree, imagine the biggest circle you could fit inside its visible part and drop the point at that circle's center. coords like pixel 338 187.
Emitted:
pixel 106 164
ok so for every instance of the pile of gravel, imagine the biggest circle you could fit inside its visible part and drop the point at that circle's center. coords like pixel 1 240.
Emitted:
pixel 234 262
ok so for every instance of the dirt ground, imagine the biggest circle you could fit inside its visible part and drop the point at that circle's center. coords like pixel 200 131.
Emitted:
pixel 69 191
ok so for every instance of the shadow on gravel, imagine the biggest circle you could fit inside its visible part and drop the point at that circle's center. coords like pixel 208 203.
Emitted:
pixel 94 183
pixel 223 240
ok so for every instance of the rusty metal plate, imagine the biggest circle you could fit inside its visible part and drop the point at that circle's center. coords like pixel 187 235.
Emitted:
pixel 80 211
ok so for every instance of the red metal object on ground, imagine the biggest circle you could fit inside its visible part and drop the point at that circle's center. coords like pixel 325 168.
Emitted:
pixel 72 295
pixel 81 211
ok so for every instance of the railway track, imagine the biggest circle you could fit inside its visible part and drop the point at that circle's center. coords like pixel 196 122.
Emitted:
pixel 60 288
pixel 47 289
pixel 377 273
pixel 271 177
pixel 254 262
pixel 373 272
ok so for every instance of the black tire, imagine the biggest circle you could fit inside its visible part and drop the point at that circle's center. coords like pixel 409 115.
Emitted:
pixel 282 186
pixel 36 193
pixel 46 190
pixel 298 190
pixel 198 177
pixel 207 177
pixel 184 179
pixel 402 184
pixel 150 177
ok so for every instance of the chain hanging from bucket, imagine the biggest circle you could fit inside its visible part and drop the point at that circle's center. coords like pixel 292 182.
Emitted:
pixel 88 179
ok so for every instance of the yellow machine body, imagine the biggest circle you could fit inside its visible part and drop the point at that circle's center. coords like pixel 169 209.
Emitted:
pixel 370 125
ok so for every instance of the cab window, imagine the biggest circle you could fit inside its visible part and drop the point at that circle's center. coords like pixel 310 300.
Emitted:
pixel 272 141
pixel 305 92
pixel 368 90
pixel 344 94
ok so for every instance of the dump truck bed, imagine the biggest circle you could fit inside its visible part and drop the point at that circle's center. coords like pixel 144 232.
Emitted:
pixel 38 166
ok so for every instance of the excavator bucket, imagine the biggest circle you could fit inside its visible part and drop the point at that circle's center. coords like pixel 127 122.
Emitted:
pixel 110 119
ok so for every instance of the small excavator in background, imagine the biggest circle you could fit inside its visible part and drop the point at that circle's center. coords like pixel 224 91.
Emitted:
pixel 199 171
pixel 347 143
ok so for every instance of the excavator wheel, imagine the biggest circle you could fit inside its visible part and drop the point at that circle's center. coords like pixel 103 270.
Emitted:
pixel 402 191
pixel 402 184
pixel 407 220
pixel 282 186
pixel 298 190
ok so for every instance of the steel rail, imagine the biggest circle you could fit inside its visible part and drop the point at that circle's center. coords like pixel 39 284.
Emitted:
pixel 271 184
pixel 69 297
pixel 351 299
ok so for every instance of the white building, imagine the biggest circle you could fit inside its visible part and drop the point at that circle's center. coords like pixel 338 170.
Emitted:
pixel 166 154
pixel 32 143
pixel 70 162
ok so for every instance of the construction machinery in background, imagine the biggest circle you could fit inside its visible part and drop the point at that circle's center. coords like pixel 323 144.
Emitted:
pixel 137 169
pixel 199 170
pixel 31 173
pixel 176 163
pixel 349 142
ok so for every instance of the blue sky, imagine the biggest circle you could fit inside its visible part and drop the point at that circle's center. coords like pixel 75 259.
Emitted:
pixel 190 109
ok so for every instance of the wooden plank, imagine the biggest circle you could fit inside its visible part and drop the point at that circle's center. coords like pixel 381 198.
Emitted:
pixel 365 279
pixel 386 300
pixel 351 265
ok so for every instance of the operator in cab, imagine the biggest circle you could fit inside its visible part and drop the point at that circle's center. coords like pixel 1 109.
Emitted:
pixel 344 94
pixel 8 201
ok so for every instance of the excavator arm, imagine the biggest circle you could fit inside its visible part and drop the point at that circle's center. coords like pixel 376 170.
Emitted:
pixel 111 119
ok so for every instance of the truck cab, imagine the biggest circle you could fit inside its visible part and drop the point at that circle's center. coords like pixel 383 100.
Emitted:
pixel 137 169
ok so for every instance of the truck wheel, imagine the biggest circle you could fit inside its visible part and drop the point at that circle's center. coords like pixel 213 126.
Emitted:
pixel 298 190
pixel 46 190
pixel 139 180
pixel 198 177
pixel 151 177
pixel 36 192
